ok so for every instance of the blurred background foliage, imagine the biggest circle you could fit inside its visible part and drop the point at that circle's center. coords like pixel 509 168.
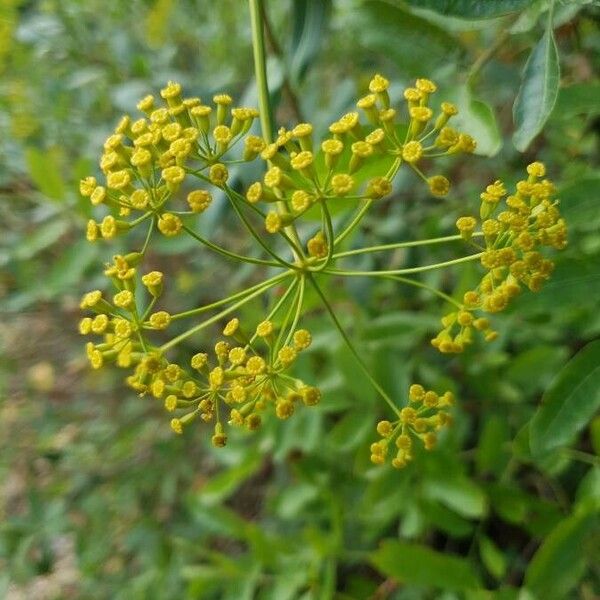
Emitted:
pixel 99 500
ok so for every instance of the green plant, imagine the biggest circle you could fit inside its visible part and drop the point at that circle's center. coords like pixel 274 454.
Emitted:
pixel 148 161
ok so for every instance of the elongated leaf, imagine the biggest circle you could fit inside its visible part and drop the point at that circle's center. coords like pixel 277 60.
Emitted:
pixel 309 20
pixel 569 403
pixel 560 560
pixel 416 45
pixel 538 92
pixel 471 9
pixel 44 172
pixel 418 565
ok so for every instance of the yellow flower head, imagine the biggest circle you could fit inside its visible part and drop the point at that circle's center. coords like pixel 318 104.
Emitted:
pixel 199 200
pixel 378 84
pixel 160 320
pixel 438 185
pixel 412 151
pixel 378 187
pixel 231 327
pixel 302 339
pixel 218 174
pixel 342 184
pixel 421 114
pixel 169 224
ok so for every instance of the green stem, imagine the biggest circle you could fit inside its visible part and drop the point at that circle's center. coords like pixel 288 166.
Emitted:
pixel 260 69
pixel 351 347
pixel 354 223
pixel 330 235
pixel 425 287
pixel 263 284
pixel 276 308
pixel 299 304
pixel 264 103
pixel 213 319
pixel 441 265
pixel 440 240
pixel 252 231
pixel 227 253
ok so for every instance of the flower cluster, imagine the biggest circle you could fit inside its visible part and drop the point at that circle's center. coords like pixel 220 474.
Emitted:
pixel 301 174
pixel 146 161
pixel 419 421
pixel 163 169
pixel 239 378
pixel 514 229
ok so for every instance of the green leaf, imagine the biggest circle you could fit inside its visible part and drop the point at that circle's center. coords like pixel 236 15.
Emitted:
pixel 415 564
pixel 569 404
pixel 458 493
pixel 578 99
pixel 310 19
pixel 350 431
pixel 471 9
pixel 416 45
pixel 538 92
pixel 492 557
pixel 224 484
pixel 558 564
pixel 580 202
pixel 476 118
pixel 45 173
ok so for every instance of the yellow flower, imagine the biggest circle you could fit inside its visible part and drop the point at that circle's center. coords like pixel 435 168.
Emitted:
pixel 169 224
pixel 438 185
pixel 87 186
pixel 342 184
pixel 199 200
pixel 378 187
pixel 124 299
pixel 422 114
pixel 231 327
pixel 160 320
pixel 218 174
pixel 317 246
pixel 378 84
pixel 412 152
pixel 302 339
pixel 264 329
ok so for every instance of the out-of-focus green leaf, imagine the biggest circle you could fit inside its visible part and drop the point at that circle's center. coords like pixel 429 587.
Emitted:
pixel 538 92
pixel 310 19
pixel 568 405
pixel 416 45
pixel 580 202
pixel 492 557
pixel 224 484
pixel 578 99
pixel 41 238
pixel 491 452
pixel 458 493
pixel 476 118
pixel 350 431
pixel 560 560
pixel 414 564
pixel 471 9
pixel 45 173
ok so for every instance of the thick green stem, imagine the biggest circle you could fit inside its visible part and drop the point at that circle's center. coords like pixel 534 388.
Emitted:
pixel 264 103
